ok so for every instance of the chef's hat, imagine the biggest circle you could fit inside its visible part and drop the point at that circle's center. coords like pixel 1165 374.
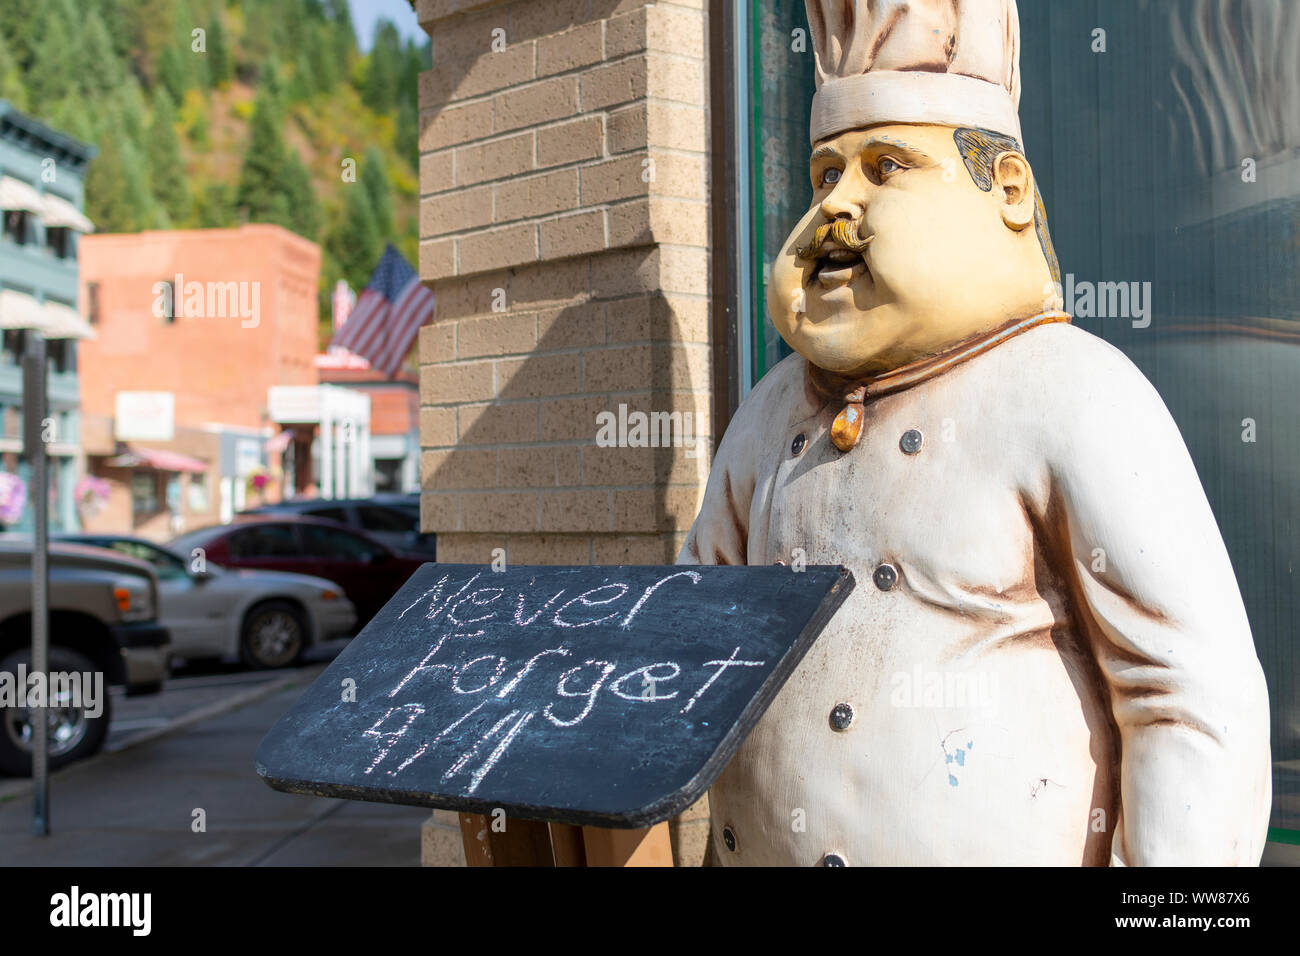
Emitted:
pixel 949 62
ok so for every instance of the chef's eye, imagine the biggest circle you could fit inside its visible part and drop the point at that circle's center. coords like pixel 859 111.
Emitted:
pixel 889 165
pixel 831 176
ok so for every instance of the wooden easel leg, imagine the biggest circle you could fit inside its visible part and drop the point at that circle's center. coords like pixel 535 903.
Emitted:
pixel 566 843
pixel 521 843
pixel 650 847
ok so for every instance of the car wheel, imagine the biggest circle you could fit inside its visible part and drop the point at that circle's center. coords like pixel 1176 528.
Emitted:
pixel 73 733
pixel 274 635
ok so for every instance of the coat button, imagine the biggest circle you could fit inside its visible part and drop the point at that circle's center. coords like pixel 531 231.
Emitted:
pixel 911 441
pixel 885 577
pixel 798 444
pixel 841 716
pixel 729 838
pixel 834 859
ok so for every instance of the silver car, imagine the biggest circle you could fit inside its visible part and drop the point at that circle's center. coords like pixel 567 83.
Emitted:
pixel 266 618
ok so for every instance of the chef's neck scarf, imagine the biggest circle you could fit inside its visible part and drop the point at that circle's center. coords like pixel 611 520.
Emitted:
pixel 853 393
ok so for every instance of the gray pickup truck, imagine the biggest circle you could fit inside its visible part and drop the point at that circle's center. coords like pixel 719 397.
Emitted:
pixel 103 621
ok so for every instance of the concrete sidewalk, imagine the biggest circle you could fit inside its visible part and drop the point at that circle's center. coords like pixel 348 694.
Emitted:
pixel 137 807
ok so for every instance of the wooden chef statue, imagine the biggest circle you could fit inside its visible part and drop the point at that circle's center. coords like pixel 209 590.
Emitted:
pixel 1046 659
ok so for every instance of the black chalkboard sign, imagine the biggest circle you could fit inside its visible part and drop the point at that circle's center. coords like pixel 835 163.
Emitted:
pixel 602 696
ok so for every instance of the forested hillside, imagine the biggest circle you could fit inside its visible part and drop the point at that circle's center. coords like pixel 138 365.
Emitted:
pixel 213 112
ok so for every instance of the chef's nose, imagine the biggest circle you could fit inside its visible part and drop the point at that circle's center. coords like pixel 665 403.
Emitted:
pixel 847 200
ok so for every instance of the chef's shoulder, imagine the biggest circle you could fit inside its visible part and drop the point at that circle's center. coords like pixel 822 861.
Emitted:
pixel 1080 399
pixel 777 399
pixel 1066 369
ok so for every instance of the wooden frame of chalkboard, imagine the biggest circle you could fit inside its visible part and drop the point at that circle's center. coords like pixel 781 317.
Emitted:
pixel 595 696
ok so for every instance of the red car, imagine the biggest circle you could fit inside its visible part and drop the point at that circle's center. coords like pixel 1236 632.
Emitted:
pixel 368 571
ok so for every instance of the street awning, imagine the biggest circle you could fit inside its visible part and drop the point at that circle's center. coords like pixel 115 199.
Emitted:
pixel 57 212
pixel 158 460
pixel 16 194
pixel 18 310
pixel 64 322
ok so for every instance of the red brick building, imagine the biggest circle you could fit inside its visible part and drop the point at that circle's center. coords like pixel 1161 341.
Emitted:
pixel 196 326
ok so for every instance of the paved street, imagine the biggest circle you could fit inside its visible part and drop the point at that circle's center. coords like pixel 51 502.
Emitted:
pixel 134 804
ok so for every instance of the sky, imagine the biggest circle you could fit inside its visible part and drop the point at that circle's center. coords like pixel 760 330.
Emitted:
pixel 366 12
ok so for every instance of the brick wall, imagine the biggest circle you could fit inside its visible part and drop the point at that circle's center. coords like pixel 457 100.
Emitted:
pixel 564 231
pixel 564 226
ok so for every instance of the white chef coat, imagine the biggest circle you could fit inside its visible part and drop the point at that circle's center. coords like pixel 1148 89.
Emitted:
pixel 1060 670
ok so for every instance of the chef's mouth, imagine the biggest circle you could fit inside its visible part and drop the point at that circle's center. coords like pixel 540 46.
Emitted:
pixel 838 267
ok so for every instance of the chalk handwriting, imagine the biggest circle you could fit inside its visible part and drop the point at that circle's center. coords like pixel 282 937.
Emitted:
pixel 458 659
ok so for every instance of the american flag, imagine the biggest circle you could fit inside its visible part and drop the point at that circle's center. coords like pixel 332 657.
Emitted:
pixel 388 315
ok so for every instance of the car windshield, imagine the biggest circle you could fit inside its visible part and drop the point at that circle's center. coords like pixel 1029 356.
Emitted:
pixel 168 566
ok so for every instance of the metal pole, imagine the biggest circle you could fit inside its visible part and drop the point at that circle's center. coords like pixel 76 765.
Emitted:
pixel 34 413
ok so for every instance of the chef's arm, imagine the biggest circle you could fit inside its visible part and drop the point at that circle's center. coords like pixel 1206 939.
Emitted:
pixel 1168 628
pixel 720 534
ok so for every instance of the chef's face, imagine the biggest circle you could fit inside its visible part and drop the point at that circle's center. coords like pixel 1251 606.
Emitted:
pixel 915 256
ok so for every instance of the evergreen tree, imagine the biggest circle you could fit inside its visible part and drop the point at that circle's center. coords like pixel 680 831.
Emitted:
pixel 98 65
pixel 264 162
pixel 12 87
pixel 32 27
pixel 151 25
pixel 196 130
pixel 130 108
pixel 374 180
pixel 259 25
pixel 117 187
pixel 54 67
pixel 303 85
pixel 406 136
pixel 164 150
pixel 218 51
pixel 321 56
pixel 216 207
pixel 110 12
pixel 355 242
pixel 13 17
pixel 383 69
pixel 71 115
pixel 175 69
pixel 304 211
pixel 345 37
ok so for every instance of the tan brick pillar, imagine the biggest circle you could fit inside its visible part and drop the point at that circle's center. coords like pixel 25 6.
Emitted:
pixel 564 227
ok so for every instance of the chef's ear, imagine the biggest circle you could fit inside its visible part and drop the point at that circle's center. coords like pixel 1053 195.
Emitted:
pixel 1013 178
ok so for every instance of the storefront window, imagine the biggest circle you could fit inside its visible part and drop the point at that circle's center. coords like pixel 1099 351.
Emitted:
pixel 199 499
pixel 783 87
pixel 1167 152
pixel 144 493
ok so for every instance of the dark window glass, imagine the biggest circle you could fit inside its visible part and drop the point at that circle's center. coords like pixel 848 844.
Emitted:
pixel 144 493
pixel 15 341
pixel 329 514
pixel 335 544
pixel 383 519
pixel 16 226
pixel 167 299
pixel 58 238
pixel 388 474
pixel 264 541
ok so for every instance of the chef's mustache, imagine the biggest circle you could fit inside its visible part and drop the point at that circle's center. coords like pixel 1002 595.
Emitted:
pixel 841 232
